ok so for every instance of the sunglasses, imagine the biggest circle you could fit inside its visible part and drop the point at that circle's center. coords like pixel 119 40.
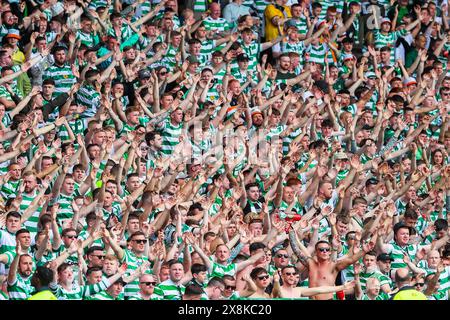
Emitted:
pixel 230 287
pixel 100 257
pixel 290 273
pixel 420 284
pixel 71 237
pixel 282 256
pixel 149 283
pixel 263 277
pixel 324 249
pixel 140 241
pixel 163 73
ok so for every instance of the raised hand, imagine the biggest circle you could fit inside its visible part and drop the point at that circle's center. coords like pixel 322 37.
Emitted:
pixel 123 268
pixel 349 285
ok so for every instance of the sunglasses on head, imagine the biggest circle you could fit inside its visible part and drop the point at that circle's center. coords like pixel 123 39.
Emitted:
pixel 263 277
pixel 282 256
pixel 140 241
pixel 324 249
pixel 149 283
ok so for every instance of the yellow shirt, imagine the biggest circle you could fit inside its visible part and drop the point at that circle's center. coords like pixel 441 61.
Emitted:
pixel 43 295
pixel 271 12
pixel 409 294
pixel 18 57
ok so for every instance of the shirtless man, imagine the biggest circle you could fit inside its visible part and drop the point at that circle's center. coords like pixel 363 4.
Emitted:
pixel 322 270
pixel 289 288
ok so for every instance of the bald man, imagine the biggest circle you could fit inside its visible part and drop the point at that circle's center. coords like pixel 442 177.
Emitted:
pixel 405 290
pixel 432 264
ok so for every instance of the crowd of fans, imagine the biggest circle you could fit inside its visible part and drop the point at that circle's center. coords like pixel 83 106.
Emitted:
pixel 164 150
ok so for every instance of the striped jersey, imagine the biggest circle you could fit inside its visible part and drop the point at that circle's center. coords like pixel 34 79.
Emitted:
pixel 7 241
pixel 252 50
pixel 317 54
pixel 444 277
pixel 88 39
pixel 169 58
pixel 133 262
pixel 125 32
pixel 382 40
pixel 297 47
pixel 9 189
pixel 168 290
pixel 65 211
pixel 32 223
pixel 219 24
pixel 381 296
pixel 220 270
pixel 21 288
pixel 79 292
pixel 4 93
pixel 364 276
pixel 170 135
pixel 88 97
pixel 63 77
pixel 397 252
pixel 200 5
pixel 76 125
pixel 104 295
pixel 208 47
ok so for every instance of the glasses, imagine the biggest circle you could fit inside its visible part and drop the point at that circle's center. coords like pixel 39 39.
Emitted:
pixel 420 284
pixel 324 249
pixel 263 277
pixel 149 283
pixel 230 287
pixel 351 238
pixel 140 241
pixel 71 237
pixel 290 273
pixel 282 256
pixel 163 73
pixel 100 256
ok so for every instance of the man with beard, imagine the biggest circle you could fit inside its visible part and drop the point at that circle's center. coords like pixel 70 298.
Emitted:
pixel 61 72
pixel 19 275
pixel 23 238
pixel 284 70
pixel 147 284
pixel 30 193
